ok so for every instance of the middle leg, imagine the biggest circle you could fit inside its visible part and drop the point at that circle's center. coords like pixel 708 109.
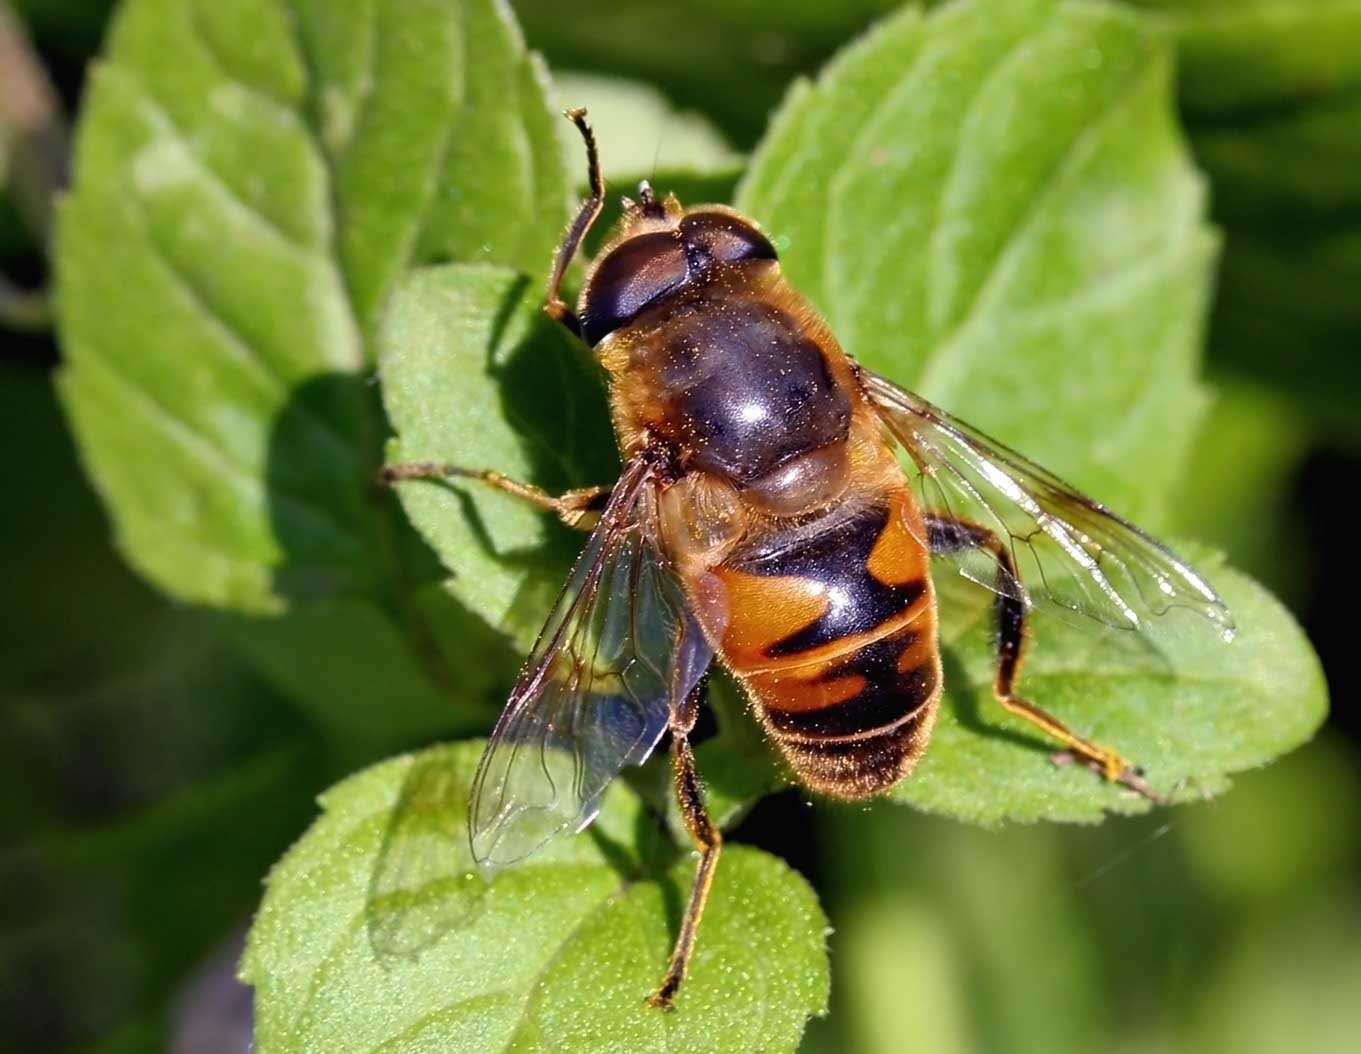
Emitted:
pixel 706 836
pixel 576 508
pixel 946 535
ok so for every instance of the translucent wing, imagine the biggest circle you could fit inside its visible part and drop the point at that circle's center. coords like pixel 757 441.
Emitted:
pixel 1067 548
pixel 618 651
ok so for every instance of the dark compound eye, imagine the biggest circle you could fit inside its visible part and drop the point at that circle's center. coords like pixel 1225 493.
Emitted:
pixel 645 268
pixel 724 238
pixel 629 279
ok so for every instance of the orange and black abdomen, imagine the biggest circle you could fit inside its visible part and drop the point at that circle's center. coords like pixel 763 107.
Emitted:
pixel 832 630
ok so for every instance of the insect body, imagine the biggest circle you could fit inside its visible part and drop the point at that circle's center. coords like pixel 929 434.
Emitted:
pixel 788 520
pixel 763 518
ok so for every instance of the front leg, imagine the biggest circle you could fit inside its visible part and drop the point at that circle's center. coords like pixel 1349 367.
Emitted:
pixel 577 508
pixel 946 535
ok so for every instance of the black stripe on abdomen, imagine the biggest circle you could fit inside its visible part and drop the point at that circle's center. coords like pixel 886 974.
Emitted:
pixel 887 697
pixel 837 558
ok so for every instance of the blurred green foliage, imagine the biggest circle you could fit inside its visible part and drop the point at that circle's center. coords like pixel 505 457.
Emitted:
pixel 149 776
pixel 1271 95
pixel 161 756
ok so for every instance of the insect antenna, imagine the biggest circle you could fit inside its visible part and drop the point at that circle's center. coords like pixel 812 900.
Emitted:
pixel 657 153
pixel 586 216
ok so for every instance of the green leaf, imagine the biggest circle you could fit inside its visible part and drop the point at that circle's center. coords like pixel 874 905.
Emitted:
pixel 992 205
pixel 557 954
pixel 1186 706
pixel 475 374
pixel 250 179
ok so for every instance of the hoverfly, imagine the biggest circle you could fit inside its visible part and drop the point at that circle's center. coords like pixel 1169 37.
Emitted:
pixel 763 519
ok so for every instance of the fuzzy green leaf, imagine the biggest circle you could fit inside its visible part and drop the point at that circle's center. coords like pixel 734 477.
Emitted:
pixel 250 179
pixel 1187 706
pixel 557 954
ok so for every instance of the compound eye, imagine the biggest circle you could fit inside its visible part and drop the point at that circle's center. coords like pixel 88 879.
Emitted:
pixel 634 275
pixel 725 238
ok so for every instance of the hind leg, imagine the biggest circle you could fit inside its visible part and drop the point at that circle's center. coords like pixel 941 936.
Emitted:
pixel 949 535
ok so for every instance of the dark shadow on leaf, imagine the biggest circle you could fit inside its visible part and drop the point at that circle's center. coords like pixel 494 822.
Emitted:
pixel 516 293
pixel 424 882
pixel 553 393
pixel 623 860
pixel 963 702
pixel 382 654
pixel 673 901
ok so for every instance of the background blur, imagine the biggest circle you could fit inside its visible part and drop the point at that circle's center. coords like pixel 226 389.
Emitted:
pixel 152 777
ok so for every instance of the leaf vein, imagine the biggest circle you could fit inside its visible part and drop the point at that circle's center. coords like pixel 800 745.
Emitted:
pixel 283 107
pixel 1016 54
pixel 364 103
pixel 1015 240
pixel 537 979
pixel 239 347
pixel 160 116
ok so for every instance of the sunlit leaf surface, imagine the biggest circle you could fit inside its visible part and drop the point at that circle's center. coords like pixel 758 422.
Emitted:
pixel 556 955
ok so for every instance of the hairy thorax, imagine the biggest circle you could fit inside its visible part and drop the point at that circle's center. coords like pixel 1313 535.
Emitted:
pixel 730 378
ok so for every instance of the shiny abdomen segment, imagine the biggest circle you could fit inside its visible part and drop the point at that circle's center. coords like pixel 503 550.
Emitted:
pixel 834 636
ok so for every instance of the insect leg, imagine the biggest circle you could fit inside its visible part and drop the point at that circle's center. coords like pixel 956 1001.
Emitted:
pixel 586 216
pixel 946 535
pixel 576 508
pixel 706 836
